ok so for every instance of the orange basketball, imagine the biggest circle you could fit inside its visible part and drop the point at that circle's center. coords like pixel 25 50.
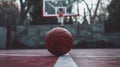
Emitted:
pixel 58 41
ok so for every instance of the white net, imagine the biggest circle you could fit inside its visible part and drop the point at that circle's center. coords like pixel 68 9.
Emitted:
pixel 60 17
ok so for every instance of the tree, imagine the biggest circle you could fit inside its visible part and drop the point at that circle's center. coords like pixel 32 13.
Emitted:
pixel 25 8
pixel 9 18
pixel 92 17
pixel 113 21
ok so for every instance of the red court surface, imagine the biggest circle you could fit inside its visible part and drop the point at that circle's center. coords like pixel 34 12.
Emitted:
pixel 42 58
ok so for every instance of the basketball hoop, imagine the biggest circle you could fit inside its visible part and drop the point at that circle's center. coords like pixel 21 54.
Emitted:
pixel 60 17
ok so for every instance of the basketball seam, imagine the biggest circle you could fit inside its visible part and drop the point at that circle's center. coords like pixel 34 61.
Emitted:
pixel 64 37
pixel 54 30
pixel 53 37
pixel 66 45
pixel 53 40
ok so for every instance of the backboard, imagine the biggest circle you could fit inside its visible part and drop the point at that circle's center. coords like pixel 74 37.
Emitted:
pixel 52 7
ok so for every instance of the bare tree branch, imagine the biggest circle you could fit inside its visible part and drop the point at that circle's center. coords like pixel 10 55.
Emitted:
pixel 95 13
pixel 24 11
pixel 89 10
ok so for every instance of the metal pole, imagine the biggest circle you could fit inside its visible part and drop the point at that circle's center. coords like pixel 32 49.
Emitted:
pixel 8 33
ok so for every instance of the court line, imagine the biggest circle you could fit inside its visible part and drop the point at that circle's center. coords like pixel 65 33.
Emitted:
pixel 22 55
pixel 65 61
pixel 97 56
pixel 52 55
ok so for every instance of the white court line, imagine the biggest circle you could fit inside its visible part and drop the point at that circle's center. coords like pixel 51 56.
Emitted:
pixel 21 55
pixel 65 61
pixel 61 56
pixel 97 56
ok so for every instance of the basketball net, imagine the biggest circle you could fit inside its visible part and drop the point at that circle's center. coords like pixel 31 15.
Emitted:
pixel 60 17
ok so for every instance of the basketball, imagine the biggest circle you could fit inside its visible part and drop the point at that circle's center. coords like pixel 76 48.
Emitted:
pixel 58 41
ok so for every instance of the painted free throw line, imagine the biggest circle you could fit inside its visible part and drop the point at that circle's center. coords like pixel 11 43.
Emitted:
pixel 65 61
